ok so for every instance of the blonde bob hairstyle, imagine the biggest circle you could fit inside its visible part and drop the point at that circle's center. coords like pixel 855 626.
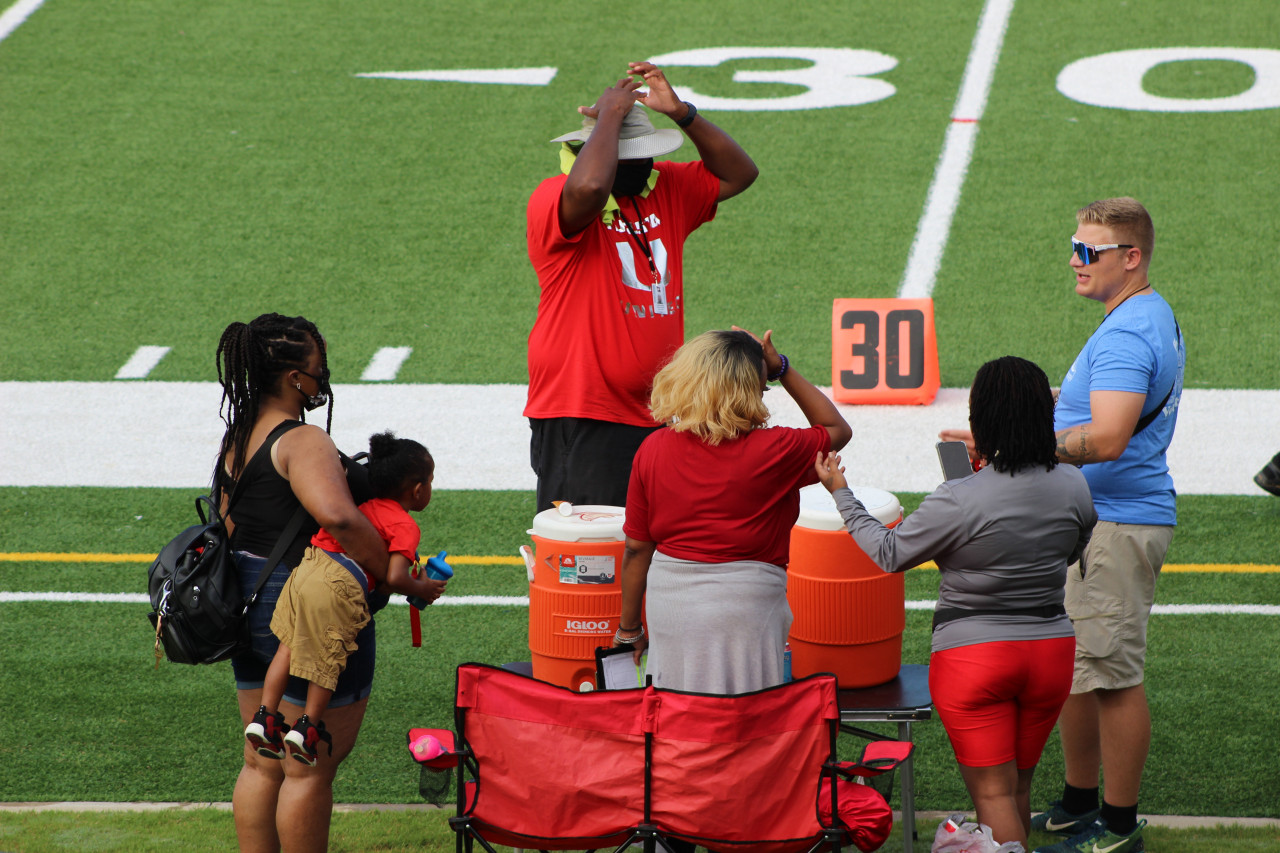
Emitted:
pixel 711 387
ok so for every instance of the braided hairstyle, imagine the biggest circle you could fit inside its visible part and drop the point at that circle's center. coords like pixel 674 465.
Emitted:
pixel 1011 415
pixel 396 464
pixel 251 358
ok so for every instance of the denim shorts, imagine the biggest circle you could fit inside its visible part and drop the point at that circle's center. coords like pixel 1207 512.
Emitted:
pixel 355 682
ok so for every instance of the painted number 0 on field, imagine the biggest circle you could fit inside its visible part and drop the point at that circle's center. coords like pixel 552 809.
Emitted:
pixel 883 351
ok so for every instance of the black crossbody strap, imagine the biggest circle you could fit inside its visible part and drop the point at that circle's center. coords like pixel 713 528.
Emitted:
pixel 1145 420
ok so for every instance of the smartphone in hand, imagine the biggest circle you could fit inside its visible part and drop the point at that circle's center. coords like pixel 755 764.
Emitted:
pixel 954 458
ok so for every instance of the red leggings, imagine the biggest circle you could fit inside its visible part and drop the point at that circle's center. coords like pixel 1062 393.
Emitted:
pixel 999 701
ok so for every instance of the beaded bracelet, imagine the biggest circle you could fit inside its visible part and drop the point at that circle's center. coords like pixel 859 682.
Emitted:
pixel 782 371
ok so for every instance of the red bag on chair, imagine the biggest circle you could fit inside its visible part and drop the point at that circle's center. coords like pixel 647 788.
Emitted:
pixel 865 815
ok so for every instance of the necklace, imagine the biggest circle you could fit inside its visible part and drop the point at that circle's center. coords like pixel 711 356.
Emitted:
pixel 1123 301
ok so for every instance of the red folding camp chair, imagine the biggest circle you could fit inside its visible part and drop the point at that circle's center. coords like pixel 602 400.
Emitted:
pixel 539 766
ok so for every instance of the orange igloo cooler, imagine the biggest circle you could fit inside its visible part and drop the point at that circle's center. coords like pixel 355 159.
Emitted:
pixel 848 614
pixel 575 592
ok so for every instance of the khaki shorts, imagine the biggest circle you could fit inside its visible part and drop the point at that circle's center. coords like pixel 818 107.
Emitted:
pixel 1109 597
pixel 321 609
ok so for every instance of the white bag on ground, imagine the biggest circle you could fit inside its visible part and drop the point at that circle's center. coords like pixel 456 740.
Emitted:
pixel 956 835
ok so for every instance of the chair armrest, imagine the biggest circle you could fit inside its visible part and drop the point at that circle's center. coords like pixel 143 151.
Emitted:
pixel 877 757
pixel 434 748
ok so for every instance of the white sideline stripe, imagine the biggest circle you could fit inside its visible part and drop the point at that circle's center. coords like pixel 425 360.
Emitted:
pixel 957 150
pixel 507 76
pixel 142 362
pixel 144 434
pixel 523 601
pixel 16 14
pixel 385 364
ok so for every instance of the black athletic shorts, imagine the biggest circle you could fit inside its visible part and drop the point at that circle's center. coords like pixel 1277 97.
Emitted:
pixel 583 461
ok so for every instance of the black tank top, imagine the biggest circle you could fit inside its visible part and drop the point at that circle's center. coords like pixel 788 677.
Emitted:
pixel 265 504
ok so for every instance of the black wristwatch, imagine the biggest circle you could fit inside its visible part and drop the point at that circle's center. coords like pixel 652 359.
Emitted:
pixel 689 116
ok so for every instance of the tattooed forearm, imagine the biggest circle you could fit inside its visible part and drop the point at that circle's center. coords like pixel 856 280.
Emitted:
pixel 1073 445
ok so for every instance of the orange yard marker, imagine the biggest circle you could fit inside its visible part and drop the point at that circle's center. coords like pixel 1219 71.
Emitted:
pixel 883 351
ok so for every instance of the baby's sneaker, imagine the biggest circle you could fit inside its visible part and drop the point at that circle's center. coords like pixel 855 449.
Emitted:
pixel 303 738
pixel 266 733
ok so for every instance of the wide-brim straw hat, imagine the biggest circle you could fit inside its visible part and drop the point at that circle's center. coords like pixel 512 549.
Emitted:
pixel 637 138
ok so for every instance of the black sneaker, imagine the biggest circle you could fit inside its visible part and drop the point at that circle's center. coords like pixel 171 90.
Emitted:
pixel 1269 477
pixel 266 733
pixel 303 738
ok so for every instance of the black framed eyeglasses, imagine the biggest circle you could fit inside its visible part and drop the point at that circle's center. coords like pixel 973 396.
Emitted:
pixel 1088 254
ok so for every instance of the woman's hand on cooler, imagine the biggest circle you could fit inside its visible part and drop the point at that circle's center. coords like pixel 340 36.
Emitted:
pixel 772 360
pixel 830 472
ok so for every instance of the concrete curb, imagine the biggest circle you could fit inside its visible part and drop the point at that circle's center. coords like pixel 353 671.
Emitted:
pixel 1171 821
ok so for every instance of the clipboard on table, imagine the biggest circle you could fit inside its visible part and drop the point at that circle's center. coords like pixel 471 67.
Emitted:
pixel 616 671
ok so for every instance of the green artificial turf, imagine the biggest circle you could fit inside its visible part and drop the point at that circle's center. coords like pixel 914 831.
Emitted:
pixel 170 167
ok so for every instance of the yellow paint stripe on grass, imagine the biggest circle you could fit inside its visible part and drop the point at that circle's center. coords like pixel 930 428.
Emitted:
pixel 1204 568
pixel 49 557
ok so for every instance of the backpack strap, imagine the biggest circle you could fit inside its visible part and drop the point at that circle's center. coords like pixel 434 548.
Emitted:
pixel 290 530
pixel 220 473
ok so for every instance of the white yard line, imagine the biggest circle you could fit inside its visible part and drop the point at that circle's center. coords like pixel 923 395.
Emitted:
pixel 165 434
pixel 16 14
pixel 143 361
pixel 948 180
pixel 385 364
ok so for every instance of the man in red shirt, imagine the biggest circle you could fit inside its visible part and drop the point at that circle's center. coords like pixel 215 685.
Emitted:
pixel 606 239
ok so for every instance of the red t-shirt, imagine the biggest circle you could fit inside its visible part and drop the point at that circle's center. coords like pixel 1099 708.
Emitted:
pixel 734 501
pixel 393 523
pixel 602 332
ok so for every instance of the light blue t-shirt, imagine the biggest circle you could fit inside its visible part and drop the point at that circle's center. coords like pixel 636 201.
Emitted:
pixel 1137 348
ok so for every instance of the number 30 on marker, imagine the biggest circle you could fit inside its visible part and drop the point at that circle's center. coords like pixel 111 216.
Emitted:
pixel 883 351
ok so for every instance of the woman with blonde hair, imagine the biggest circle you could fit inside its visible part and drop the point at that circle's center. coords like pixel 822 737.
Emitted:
pixel 710 507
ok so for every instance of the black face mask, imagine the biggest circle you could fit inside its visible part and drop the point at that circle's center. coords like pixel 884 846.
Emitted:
pixel 309 402
pixel 632 177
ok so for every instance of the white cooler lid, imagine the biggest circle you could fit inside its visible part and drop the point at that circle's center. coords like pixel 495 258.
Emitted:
pixel 818 509
pixel 586 523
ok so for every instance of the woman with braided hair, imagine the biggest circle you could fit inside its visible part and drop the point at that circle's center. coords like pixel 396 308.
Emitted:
pixel 1003 647
pixel 272 371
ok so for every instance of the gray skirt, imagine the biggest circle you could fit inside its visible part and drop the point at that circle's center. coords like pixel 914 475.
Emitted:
pixel 716 627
